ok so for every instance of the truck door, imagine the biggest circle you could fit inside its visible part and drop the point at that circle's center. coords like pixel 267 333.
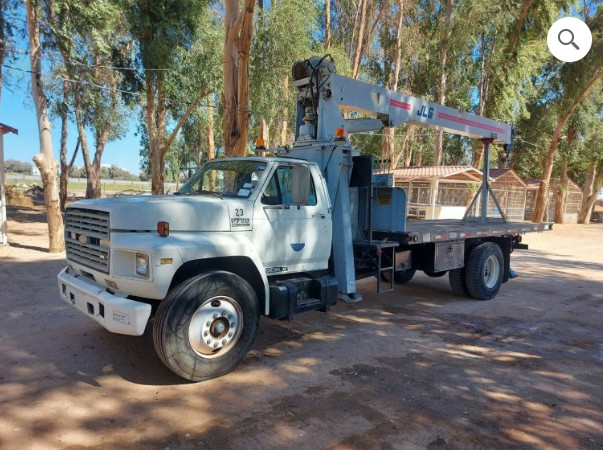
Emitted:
pixel 288 237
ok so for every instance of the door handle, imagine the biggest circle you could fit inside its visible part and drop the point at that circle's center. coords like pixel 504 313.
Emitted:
pixel 321 215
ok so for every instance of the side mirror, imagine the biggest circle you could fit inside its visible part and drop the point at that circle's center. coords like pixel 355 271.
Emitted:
pixel 300 185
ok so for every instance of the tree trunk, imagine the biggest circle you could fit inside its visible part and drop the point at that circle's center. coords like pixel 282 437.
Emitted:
pixel 264 134
pixel 285 113
pixel 592 185
pixel 230 95
pixel 541 198
pixel 353 38
pixel 237 42
pixel 482 78
pixel 563 184
pixel 388 142
pixel 359 40
pixel 211 144
pixel 404 153
pixel 501 159
pixel 65 168
pixel 418 154
pixel 442 88
pixel 158 173
pixel 478 155
pixel 518 27
pixel 44 160
pixel 327 24
pixel 243 47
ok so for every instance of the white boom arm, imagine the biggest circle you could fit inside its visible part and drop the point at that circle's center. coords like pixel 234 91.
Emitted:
pixel 323 96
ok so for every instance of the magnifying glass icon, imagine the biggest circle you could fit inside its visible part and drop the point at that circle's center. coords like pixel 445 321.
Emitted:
pixel 571 41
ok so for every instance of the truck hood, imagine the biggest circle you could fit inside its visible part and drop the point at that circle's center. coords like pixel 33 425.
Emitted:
pixel 142 212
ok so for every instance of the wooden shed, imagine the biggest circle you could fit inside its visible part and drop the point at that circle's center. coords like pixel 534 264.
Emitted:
pixel 438 192
pixel 573 201
pixel 510 190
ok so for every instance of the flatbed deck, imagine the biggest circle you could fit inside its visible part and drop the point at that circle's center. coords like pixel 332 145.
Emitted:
pixel 423 231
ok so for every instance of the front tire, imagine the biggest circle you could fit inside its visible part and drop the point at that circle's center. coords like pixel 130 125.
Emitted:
pixel 206 325
pixel 484 271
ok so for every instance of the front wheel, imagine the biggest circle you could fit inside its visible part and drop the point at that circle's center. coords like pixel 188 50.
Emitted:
pixel 484 271
pixel 206 326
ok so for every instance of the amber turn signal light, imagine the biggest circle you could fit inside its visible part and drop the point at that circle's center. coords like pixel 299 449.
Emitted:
pixel 340 133
pixel 163 228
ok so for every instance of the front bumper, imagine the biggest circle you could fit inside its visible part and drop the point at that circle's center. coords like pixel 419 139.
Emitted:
pixel 114 313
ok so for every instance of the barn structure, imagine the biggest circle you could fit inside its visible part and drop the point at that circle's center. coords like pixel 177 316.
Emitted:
pixel 510 190
pixel 573 201
pixel 438 192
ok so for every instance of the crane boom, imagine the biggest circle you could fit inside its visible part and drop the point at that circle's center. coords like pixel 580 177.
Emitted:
pixel 324 97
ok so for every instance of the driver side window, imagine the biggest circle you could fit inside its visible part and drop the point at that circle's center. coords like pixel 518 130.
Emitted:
pixel 279 189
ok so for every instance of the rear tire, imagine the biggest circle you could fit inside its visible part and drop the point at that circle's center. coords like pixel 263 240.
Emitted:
pixel 400 277
pixel 435 274
pixel 458 281
pixel 484 271
pixel 206 325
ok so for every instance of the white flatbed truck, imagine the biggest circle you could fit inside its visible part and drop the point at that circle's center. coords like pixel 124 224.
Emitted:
pixel 280 235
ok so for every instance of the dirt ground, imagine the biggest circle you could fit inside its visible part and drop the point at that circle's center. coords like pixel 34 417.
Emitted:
pixel 419 368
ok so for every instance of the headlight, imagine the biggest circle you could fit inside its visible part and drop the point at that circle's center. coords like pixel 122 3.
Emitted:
pixel 142 265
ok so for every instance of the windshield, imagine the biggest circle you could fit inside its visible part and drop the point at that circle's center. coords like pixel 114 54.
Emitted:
pixel 225 179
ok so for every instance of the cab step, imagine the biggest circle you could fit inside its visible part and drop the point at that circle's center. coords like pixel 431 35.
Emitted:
pixel 295 295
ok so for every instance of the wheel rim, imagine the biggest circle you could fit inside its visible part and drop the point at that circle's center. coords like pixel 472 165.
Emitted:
pixel 215 327
pixel 491 271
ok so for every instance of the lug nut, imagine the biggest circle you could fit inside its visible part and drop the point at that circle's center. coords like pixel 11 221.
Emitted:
pixel 223 313
pixel 208 341
pixel 230 334
pixel 208 323
pixel 215 316
pixel 205 334
pixel 215 344
pixel 223 341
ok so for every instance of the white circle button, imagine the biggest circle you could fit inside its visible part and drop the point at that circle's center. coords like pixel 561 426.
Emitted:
pixel 569 39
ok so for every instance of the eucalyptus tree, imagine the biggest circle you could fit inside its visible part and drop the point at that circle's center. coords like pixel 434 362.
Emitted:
pixel 203 77
pixel 92 40
pixel 576 81
pixel 44 160
pixel 283 35
pixel 164 33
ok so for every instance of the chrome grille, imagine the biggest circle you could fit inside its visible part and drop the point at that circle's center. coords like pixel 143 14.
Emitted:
pixel 87 236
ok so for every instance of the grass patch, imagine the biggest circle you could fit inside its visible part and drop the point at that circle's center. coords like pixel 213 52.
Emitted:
pixel 106 185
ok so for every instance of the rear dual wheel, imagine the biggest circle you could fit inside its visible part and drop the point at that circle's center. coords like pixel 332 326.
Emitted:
pixel 482 276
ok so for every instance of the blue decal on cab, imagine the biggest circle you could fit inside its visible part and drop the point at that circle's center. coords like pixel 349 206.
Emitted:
pixel 298 246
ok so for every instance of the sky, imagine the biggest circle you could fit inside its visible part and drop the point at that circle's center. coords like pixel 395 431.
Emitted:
pixel 17 110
